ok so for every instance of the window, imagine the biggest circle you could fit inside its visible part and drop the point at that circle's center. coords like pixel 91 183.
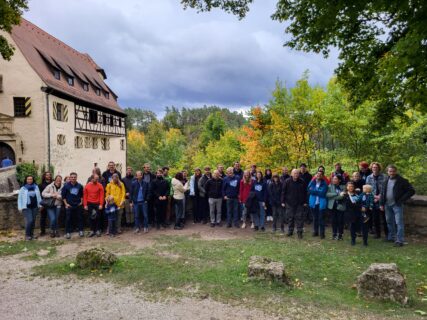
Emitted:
pixel 104 119
pixel 88 142
pixel 105 144
pixel 120 122
pixel 78 142
pixel 85 87
pixel 70 81
pixel 95 143
pixel 60 139
pixel 119 167
pixel 60 112
pixel 122 144
pixel 107 95
pixel 111 120
pixel 57 74
pixel 98 92
pixel 22 107
pixel 93 116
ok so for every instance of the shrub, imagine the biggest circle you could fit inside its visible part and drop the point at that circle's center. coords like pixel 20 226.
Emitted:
pixel 26 169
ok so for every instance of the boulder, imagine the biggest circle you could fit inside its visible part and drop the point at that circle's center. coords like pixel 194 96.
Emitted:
pixel 383 281
pixel 266 269
pixel 95 258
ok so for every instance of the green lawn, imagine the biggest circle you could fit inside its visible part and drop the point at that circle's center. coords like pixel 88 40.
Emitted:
pixel 323 272
pixel 29 247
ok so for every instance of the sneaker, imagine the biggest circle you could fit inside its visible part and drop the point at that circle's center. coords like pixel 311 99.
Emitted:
pixel 212 225
pixel 229 225
pixel 218 224
pixel 398 244
pixel 137 230
pixel 81 234
pixel 68 236
pixel 290 234
pixel 145 230
pixel 262 229
pixel 243 226
pixel 252 225
pixel 177 227
pixel 91 234
pixel 282 232
pixel 98 233
pixel 255 228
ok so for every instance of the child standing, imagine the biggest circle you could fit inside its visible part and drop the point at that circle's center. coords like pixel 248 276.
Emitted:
pixel 367 201
pixel 354 211
pixel 111 212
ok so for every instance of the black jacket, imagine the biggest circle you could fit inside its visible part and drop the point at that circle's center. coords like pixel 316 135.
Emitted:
pixel 306 176
pixel 252 204
pixel 107 176
pixel 294 193
pixel 127 180
pixel 402 191
pixel 201 185
pixel 275 194
pixel 159 188
pixel 213 188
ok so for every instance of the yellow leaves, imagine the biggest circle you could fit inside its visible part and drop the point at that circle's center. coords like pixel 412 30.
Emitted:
pixel 136 137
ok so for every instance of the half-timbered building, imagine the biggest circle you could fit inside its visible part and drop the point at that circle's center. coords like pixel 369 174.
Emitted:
pixel 55 107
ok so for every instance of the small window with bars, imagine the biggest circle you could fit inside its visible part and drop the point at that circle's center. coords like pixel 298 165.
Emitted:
pixel 22 107
pixel 122 144
pixel 78 142
pixel 95 143
pixel 88 142
pixel 60 112
pixel 60 139
pixel 105 144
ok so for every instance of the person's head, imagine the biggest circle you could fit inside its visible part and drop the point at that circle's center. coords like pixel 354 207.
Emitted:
pixel 295 174
pixel 319 175
pixel 111 166
pixel 197 172
pixel 247 176
pixel 367 188
pixel 321 168
pixel 207 170
pixel 147 168
pixel 376 168
pixel 115 178
pixel 66 179
pixel 220 168
pixel 237 165
pixel 392 171
pixel 29 179
pixel 165 171
pixel 285 170
pixel 184 174
pixel 179 176
pixel 73 177
pixel 110 200
pixel 159 173
pixel 139 174
pixel 58 180
pixel 275 178
pixel 47 176
pixel 95 178
pixel 303 168
pixel 338 166
pixel 336 180
pixel 268 172
pixel 129 171
pixel 363 166
pixel 97 171
pixel 259 175
pixel 356 176
pixel 253 167
pixel 229 172
pixel 350 187
pixel 215 174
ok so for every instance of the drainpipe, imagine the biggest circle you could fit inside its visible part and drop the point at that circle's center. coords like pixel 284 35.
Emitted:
pixel 47 91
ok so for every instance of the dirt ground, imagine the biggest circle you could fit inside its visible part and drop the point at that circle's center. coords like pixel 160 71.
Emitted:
pixel 23 296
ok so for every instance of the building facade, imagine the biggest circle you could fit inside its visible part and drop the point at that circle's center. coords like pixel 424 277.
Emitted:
pixel 55 108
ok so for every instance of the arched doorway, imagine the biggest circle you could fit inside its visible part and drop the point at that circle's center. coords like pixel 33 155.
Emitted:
pixel 6 151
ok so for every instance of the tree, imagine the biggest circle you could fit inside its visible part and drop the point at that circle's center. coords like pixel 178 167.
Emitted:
pixel 214 128
pixel 10 15
pixel 139 119
pixel 382 45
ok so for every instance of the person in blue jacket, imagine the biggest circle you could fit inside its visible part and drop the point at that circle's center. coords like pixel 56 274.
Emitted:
pixel 29 203
pixel 230 193
pixel 139 197
pixel 259 186
pixel 317 190
pixel 72 195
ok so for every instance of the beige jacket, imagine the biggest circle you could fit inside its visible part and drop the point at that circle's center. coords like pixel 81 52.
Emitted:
pixel 50 190
pixel 179 189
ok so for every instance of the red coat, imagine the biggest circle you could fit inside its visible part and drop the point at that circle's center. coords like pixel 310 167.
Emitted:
pixel 244 190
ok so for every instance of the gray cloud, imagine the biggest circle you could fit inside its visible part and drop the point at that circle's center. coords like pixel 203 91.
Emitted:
pixel 156 54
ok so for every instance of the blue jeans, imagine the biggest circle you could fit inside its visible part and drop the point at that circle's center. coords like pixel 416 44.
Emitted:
pixel 53 217
pixel 141 212
pixel 233 211
pixel 259 217
pixel 179 211
pixel 72 211
pixel 394 216
pixel 30 220
pixel 318 222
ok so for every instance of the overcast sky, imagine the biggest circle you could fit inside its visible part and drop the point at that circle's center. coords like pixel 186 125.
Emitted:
pixel 156 54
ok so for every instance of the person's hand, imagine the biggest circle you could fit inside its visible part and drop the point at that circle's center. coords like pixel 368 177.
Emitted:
pixel 127 194
pixel 131 205
pixel 122 204
pixel 342 193
pixel 86 208
pixel 67 206
pixel 382 208
pixel 100 207
pixel 304 205
pixel 283 205
pixel 225 198
pixel 363 209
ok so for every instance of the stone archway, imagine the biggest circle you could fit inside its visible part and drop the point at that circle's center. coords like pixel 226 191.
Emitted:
pixel 7 151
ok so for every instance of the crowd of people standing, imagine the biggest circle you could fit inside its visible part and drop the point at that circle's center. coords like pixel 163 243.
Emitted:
pixel 366 202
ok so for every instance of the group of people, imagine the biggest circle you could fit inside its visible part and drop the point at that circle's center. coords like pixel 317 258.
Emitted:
pixel 367 202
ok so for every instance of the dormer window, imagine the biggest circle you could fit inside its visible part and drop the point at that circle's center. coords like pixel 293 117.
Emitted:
pixel 70 81
pixel 57 74
pixel 107 95
pixel 85 87
pixel 98 92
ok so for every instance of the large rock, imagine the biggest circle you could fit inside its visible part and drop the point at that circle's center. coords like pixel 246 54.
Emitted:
pixel 95 258
pixel 267 269
pixel 383 281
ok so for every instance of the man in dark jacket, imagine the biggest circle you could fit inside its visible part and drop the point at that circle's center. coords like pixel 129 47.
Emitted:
pixel 72 195
pixel 204 205
pixel 108 174
pixel 149 177
pixel 213 189
pixel 294 199
pixel 160 190
pixel 230 192
pixel 127 181
pixel 46 180
pixel 139 197
pixel 395 192
pixel 285 175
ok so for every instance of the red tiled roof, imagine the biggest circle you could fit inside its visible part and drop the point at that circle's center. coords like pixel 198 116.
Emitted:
pixel 44 51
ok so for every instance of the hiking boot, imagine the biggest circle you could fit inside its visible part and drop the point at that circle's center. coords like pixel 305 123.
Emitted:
pixel 68 236
pixel 262 229
pixel 255 228
pixel 229 225
pixel 91 234
pixel 243 225
pixel 315 234
pixel 340 238
pixel 398 244
pixel 42 233
pixel 290 234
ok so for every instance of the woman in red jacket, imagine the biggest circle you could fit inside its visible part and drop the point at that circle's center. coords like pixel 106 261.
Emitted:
pixel 245 188
pixel 93 202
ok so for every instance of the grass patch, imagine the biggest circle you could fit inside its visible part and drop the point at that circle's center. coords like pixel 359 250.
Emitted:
pixel 12 248
pixel 323 272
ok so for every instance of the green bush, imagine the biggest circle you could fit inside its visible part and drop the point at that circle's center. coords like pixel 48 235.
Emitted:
pixel 26 169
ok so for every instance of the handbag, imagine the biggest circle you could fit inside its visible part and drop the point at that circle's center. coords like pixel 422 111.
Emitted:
pixel 48 202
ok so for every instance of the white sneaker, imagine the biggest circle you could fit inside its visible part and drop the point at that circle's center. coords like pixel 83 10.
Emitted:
pixel 243 225
pixel 252 225
pixel 145 230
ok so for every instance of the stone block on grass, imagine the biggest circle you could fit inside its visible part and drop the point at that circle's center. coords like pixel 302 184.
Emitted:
pixel 266 269
pixel 95 258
